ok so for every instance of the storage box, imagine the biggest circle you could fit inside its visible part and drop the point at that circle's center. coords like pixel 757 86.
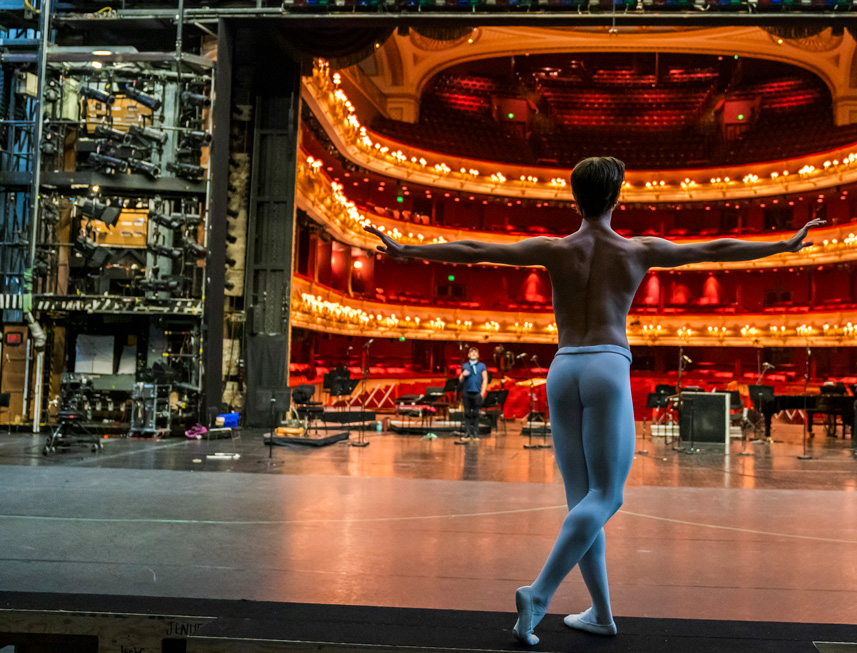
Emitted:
pixel 227 419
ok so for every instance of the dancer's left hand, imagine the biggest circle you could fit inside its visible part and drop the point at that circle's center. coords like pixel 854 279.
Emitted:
pixel 390 247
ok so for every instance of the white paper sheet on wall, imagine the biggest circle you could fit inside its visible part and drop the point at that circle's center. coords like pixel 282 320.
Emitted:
pixel 94 354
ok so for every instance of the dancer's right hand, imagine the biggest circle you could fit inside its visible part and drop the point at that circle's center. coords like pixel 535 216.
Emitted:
pixel 390 247
pixel 796 242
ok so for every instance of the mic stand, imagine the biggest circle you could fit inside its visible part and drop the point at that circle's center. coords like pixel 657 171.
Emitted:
pixel 806 418
pixel 361 439
pixel 269 461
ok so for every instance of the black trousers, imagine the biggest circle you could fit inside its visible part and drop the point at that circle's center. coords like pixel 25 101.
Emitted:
pixel 472 403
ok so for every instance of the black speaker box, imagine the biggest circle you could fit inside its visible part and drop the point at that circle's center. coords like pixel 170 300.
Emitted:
pixel 704 417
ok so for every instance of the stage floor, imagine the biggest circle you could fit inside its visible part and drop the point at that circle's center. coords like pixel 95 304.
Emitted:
pixel 416 523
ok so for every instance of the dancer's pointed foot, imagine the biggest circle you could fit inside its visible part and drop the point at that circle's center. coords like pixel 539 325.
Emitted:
pixel 529 615
pixel 586 621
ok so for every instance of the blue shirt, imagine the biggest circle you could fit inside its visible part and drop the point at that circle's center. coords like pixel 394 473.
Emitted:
pixel 473 382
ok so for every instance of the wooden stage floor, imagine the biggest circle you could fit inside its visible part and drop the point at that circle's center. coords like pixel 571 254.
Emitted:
pixel 425 524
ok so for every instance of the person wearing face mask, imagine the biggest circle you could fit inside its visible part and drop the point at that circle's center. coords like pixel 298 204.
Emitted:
pixel 474 387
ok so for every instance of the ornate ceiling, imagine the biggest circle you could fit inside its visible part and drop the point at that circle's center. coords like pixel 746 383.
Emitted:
pixel 392 80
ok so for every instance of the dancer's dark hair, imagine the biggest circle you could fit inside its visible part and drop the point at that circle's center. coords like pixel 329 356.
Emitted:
pixel 595 184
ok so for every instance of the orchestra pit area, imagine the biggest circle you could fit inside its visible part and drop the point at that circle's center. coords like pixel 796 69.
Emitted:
pixel 356 486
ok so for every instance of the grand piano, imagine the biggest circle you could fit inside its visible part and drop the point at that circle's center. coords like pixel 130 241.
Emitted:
pixel 832 404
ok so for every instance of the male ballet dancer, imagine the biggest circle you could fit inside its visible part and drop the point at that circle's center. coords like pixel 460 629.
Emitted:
pixel 595 273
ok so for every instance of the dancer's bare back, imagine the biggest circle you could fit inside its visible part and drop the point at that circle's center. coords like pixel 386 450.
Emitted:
pixel 594 272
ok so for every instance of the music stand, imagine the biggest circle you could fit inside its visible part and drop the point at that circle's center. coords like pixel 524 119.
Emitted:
pixel 278 402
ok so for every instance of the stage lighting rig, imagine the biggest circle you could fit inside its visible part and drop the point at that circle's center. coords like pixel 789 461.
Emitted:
pixel 197 250
pixel 160 250
pixel 195 99
pixel 95 210
pixel 148 101
pixel 98 96
pixel 146 135
pixel 195 138
pixel 174 220
pixel 110 134
pixel 50 142
pixel 107 164
pixel 151 170
pixel 160 285
pixel 52 91
pixel 186 170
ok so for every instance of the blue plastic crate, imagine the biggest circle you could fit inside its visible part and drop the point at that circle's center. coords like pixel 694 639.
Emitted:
pixel 229 419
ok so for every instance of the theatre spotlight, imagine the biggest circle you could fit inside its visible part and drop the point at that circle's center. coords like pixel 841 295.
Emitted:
pixel 94 255
pixel 228 285
pixel 168 221
pixel 230 262
pixel 148 101
pixel 196 138
pixel 95 210
pixel 102 131
pixel 231 238
pixel 186 170
pixel 50 142
pixel 148 168
pixel 160 250
pixel 98 96
pixel 175 220
pixel 52 92
pixel 198 250
pixel 171 285
pixel 108 163
pixel 195 99
pixel 146 135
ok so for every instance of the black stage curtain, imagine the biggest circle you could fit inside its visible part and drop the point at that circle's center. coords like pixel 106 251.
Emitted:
pixel 267 369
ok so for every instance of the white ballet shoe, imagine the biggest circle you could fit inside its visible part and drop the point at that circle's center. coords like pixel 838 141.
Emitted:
pixel 580 622
pixel 523 629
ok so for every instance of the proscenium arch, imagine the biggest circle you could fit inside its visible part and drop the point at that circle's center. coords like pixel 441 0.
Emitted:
pixel 832 65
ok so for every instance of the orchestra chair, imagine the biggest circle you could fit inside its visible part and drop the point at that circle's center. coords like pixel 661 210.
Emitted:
pixel 658 401
pixel 435 398
pixel 221 432
pixel 308 410
pixel 759 395
pixel 738 411
pixel 833 389
pixel 5 402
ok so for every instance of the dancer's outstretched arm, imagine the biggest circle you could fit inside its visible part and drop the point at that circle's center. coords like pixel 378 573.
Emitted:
pixel 665 254
pixel 531 251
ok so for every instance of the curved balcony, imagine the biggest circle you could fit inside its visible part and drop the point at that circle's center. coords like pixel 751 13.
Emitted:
pixel 385 156
pixel 326 202
pixel 320 308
